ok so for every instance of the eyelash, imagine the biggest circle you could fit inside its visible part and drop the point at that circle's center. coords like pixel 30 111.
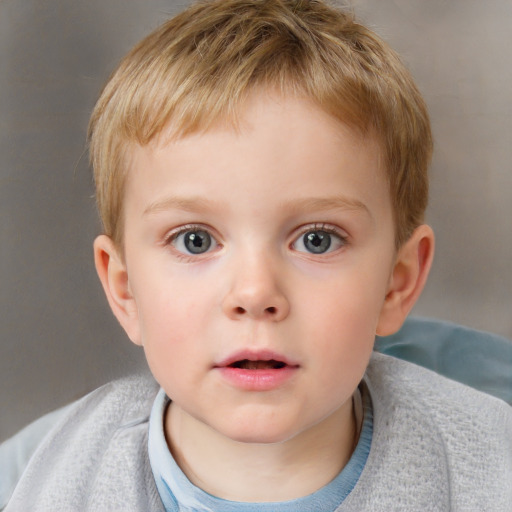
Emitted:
pixel 169 237
pixel 323 227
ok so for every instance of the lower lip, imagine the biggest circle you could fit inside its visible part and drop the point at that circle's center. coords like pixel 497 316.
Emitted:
pixel 258 380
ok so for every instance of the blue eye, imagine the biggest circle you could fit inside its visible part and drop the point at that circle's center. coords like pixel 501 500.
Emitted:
pixel 193 241
pixel 318 241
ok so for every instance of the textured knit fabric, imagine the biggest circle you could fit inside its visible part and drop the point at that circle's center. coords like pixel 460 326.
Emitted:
pixel 16 452
pixel 95 459
pixel 179 494
pixel 437 446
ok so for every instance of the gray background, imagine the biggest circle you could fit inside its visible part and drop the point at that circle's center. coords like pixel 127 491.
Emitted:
pixel 58 339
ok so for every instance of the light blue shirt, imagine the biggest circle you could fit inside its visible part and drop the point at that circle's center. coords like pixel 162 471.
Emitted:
pixel 179 494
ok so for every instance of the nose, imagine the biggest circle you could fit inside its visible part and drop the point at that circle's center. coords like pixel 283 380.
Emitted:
pixel 255 292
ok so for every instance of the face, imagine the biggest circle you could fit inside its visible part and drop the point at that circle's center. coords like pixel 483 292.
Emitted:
pixel 258 261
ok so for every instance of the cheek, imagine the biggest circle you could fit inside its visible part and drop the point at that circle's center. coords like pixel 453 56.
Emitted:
pixel 171 349
pixel 172 302
pixel 342 326
pixel 169 319
pixel 346 302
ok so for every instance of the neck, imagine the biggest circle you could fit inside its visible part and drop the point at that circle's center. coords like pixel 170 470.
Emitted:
pixel 253 472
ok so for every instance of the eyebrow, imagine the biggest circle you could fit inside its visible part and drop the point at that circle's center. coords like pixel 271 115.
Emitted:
pixel 189 204
pixel 329 203
pixel 203 205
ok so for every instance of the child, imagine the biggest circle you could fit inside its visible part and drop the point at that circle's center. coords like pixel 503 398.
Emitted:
pixel 261 173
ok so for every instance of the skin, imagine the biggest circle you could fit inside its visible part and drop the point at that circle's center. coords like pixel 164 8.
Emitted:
pixel 288 170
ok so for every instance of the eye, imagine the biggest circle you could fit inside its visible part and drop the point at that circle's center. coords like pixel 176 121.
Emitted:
pixel 193 241
pixel 319 241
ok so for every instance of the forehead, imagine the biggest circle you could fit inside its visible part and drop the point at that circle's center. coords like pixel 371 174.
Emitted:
pixel 276 146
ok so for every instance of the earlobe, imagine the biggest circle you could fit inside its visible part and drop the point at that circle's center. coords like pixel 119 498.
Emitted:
pixel 113 275
pixel 409 275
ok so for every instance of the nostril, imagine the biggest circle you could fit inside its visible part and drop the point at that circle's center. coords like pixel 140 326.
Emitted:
pixel 239 310
pixel 272 310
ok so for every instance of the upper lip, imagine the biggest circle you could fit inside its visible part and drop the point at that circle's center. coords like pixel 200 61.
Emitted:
pixel 255 355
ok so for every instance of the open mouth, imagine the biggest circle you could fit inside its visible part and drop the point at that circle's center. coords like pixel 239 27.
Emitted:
pixel 247 364
pixel 260 371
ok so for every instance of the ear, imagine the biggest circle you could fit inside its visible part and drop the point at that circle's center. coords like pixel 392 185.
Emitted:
pixel 113 275
pixel 409 275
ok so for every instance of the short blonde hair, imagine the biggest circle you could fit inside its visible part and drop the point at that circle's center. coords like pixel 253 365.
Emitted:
pixel 198 67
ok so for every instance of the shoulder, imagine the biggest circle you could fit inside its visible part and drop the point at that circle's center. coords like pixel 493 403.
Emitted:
pixel 126 400
pixel 434 437
pixel 111 408
pixel 97 451
pixel 399 383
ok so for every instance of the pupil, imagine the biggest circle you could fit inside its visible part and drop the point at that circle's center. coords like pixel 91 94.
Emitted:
pixel 197 242
pixel 317 242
